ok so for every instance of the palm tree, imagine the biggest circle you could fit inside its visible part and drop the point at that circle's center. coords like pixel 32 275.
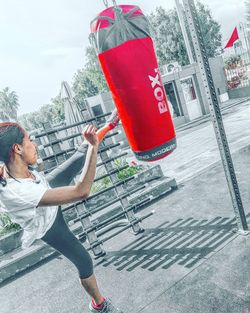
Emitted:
pixel 8 105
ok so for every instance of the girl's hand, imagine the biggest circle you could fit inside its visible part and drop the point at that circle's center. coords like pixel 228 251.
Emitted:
pixel 89 134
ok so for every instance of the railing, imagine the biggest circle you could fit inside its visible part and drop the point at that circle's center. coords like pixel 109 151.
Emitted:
pixel 237 73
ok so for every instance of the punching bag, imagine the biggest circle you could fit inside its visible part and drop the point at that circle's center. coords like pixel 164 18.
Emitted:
pixel 126 53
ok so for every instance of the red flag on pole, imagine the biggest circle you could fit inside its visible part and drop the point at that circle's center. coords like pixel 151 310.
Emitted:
pixel 233 38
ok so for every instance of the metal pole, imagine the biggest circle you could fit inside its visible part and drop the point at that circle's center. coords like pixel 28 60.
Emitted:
pixel 215 114
pixel 184 31
pixel 123 201
pixel 246 41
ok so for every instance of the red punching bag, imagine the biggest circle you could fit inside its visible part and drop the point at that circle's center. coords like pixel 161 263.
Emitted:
pixel 127 57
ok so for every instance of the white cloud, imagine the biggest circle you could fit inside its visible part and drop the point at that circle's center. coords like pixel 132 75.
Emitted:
pixel 60 52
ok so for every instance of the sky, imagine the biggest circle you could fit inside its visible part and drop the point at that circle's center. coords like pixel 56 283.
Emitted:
pixel 42 43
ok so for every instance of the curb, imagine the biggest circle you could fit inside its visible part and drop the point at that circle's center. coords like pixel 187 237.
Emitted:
pixel 206 117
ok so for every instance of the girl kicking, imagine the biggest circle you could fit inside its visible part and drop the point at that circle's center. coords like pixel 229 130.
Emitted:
pixel 32 199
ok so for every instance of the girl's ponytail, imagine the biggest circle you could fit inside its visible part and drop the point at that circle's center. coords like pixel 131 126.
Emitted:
pixel 10 134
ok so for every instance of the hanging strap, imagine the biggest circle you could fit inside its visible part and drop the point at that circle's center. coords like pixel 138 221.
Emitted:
pixel 126 25
pixel 131 11
pixel 112 21
pixel 106 3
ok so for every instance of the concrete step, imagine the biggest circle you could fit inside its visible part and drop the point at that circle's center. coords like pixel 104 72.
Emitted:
pixel 19 260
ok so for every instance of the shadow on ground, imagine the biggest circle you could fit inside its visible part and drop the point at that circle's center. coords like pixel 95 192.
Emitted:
pixel 183 242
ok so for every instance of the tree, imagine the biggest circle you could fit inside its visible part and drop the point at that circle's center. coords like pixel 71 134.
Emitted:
pixel 30 121
pixel 210 30
pixel 89 81
pixel 59 115
pixel 94 71
pixel 247 3
pixel 8 105
pixel 169 41
pixel 83 86
pixel 47 113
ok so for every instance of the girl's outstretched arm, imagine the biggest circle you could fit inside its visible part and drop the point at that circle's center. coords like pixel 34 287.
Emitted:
pixel 81 190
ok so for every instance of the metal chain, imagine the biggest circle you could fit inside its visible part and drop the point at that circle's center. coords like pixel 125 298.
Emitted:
pixel 106 3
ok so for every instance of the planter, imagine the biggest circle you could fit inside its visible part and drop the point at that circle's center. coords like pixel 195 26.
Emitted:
pixel 10 242
pixel 141 178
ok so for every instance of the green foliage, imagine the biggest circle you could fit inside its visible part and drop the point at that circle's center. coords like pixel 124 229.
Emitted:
pixel 210 30
pixel 30 121
pixel 127 172
pixel 236 71
pixel 49 112
pixel 89 81
pixel 247 3
pixel 58 111
pixel 101 184
pixel 8 105
pixel 121 175
pixel 233 61
pixel 94 71
pixel 168 38
pixel 83 86
pixel 6 224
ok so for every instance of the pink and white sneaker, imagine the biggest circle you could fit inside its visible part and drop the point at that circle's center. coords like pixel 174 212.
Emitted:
pixel 107 307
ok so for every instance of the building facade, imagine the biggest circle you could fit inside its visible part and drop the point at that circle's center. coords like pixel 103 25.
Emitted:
pixel 185 92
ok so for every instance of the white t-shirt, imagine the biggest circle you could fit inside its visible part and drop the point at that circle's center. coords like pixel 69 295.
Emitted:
pixel 20 200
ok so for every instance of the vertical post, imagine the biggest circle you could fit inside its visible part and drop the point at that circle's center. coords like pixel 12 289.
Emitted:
pixel 184 31
pixel 242 26
pixel 137 229
pixel 215 114
pixel 86 223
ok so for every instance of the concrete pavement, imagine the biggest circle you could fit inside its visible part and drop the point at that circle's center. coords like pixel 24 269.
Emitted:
pixel 197 147
pixel 189 260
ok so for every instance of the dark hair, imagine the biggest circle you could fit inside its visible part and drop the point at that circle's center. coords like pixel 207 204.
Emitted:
pixel 10 134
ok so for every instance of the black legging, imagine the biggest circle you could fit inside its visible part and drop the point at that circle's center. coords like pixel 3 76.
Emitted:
pixel 63 240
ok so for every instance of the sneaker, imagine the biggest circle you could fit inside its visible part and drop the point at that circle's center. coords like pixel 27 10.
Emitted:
pixel 107 307
pixel 113 119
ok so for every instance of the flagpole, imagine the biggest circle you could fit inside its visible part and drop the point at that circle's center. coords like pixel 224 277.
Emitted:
pixel 246 40
pixel 179 9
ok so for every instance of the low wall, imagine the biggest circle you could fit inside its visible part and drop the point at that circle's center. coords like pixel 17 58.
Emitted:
pixel 239 92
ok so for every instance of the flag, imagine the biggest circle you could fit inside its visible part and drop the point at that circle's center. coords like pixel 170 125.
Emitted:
pixel 232 39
